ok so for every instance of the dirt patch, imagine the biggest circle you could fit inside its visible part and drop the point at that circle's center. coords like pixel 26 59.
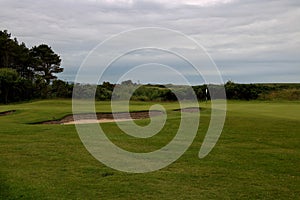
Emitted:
pixel 7 112
pixel 104 117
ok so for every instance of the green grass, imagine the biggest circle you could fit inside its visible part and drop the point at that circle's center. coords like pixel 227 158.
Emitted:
pixel 257 156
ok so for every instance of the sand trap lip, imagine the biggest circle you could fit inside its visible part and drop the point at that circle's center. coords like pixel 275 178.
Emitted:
pixel 87 118
pixel 189 109
pixel 92 121
pixel 7 112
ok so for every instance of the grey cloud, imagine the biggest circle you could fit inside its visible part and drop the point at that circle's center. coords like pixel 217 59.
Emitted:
pixel 239 33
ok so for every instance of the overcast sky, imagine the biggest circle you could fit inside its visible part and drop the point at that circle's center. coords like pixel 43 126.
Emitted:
pixel 250 41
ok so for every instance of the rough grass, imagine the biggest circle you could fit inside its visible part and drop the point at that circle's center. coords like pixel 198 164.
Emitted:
pixel 285 94
pixel 257 156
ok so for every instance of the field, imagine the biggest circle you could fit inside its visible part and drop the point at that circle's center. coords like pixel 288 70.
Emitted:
pixel 256 157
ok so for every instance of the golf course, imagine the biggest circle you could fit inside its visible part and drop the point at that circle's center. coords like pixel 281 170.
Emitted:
pixel 256 156
pixel 149 100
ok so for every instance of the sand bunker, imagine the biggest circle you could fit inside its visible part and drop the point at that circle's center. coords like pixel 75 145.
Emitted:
pixel 104 117
pixel 7 112
pixel 109 117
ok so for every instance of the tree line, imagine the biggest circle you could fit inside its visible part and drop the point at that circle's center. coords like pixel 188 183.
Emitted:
pixel 29 73
pixel 155 92
pixel 26 73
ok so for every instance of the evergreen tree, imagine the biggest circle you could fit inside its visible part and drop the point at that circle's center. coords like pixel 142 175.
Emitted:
pixel 46 62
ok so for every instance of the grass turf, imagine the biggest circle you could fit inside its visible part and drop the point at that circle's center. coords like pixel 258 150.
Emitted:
pixel 257 156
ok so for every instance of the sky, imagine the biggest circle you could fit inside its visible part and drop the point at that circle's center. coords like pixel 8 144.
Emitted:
pixel 250 41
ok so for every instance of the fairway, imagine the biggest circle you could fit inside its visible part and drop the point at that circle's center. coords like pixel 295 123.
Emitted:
pixel 256 157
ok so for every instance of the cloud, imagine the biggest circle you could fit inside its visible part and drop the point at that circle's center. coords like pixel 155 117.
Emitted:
pixel 250 34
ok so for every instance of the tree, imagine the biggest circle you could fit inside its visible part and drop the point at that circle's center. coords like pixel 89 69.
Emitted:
pixel 127 82
pixel 8 79
pixel 5 49
pixel 61 89
pixel 46 62
pixel 14 55
pixel 27 73
pixel 23 62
